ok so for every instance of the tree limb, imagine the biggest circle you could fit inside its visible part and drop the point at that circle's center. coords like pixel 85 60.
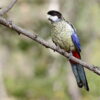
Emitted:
pixel 5 10
pixel 38 39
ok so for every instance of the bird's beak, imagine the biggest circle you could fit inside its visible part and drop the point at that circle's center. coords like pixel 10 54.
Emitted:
pixel 48 16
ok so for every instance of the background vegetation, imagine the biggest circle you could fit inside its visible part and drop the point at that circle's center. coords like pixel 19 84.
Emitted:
pixel 28 71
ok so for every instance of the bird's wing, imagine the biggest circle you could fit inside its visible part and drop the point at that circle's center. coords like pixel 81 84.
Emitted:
pixel 76 41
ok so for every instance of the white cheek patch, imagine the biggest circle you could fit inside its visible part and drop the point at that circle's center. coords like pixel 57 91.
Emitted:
pixel 53 18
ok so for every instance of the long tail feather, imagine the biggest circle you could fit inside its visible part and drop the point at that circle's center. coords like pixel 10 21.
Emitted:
pixel 79 73
pixel 80 76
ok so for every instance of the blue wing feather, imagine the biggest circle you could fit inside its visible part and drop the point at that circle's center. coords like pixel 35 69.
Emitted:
pixel 76 41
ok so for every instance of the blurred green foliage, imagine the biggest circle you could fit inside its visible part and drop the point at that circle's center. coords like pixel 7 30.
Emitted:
pixel 34 72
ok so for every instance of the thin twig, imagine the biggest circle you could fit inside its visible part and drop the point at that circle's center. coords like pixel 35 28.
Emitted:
pixel 38 39
pixel 5 10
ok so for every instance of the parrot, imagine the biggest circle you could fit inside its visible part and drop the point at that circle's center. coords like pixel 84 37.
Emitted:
pixel 64 35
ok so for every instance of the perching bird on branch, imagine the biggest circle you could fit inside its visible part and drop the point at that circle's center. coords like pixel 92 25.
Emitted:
pixel 64 36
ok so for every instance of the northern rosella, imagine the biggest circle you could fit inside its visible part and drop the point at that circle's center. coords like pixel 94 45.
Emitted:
pixel 64 35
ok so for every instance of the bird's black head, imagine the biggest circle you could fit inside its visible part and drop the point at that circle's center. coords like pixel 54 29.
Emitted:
pixel 54 16
pixel 55 13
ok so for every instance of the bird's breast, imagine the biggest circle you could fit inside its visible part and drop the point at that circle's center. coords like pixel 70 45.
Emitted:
pixel 61 36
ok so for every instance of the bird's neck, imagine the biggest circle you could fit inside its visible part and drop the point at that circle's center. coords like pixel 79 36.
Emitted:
pixel 62 27
pixel 58 24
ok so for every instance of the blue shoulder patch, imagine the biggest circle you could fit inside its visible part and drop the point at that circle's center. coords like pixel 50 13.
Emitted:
pixel 76 41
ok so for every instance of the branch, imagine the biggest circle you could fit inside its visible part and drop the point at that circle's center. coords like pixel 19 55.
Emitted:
pixel 5 10
pixel 38 39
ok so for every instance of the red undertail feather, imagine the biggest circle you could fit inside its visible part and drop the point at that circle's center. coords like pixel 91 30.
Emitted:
pixel 75 54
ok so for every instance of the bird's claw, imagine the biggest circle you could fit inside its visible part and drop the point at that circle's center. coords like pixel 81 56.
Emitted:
pixel 57 47
pixel 70 55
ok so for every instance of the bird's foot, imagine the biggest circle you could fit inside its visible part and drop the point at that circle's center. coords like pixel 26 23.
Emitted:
pixel 57 47
pixel 70 55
